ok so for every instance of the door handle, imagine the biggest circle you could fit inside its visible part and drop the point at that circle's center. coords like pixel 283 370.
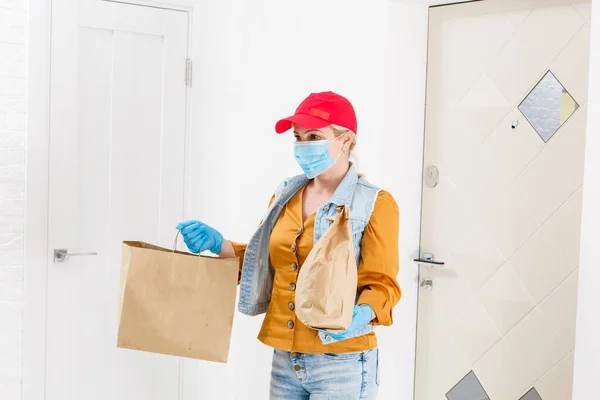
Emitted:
pixel 427 260
pixel 62 255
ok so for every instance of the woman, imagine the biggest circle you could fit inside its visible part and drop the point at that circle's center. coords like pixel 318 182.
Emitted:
pixel 311 364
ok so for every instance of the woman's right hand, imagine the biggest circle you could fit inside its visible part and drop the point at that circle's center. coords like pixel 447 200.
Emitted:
pixel 199 237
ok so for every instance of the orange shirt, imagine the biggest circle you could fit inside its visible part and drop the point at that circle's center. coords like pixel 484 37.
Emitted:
pixel 377 274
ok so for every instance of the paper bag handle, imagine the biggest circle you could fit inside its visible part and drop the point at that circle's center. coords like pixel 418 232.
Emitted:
pixel 341 210
pixel 175 242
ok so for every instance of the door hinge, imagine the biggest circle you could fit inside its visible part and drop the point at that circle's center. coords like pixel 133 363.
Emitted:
pixel 188 72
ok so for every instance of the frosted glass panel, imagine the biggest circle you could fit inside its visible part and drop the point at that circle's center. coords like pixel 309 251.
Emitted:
pixel 548 106
pixel 531 395
pixel 468 388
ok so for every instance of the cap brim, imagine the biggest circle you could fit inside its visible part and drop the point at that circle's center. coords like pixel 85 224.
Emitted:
pixel 307 121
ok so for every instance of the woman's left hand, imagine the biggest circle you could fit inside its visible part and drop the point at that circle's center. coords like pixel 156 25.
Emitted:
pixel 361 317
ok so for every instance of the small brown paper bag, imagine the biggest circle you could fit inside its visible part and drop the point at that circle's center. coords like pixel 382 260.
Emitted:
pixel 176 303
pixel 326 287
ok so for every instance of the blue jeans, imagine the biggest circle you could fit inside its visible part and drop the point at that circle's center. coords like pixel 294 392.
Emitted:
pixel 349 376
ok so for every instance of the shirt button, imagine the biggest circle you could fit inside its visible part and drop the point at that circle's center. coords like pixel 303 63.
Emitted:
pixel 294 355
pixel 326 208
pixel 328 338
pixel 291 324
pixel 291 306
pixel 299 231
pixel 294 267
pixel 293 248
pixel 297 368
pixel 292 286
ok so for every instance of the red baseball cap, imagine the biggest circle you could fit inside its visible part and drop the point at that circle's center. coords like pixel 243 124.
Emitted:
pixel 319 110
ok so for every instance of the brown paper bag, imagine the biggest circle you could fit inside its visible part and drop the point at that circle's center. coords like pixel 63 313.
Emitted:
pixel 326 288
pixel 176 303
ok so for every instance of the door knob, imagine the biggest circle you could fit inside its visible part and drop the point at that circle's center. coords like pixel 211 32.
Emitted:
pixel 62 255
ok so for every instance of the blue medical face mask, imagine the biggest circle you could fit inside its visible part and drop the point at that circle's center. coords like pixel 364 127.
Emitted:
pixel 314 157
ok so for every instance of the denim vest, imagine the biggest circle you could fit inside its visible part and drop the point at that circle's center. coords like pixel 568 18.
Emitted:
pixel 257 272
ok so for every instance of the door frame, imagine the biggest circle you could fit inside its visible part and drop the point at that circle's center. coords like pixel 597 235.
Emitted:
pixel 37 254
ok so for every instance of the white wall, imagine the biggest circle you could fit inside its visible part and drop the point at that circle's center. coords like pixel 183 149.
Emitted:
pixel 254 61
pixel 587 345
pixel 13 69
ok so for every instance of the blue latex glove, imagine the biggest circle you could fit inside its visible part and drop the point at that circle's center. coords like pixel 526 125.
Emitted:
pixel 361 317
pixel 199 237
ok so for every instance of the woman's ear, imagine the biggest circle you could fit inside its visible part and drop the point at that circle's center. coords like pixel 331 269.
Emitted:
pixel 349 139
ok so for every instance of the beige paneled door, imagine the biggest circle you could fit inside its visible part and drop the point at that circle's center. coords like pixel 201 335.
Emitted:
pixel 503 172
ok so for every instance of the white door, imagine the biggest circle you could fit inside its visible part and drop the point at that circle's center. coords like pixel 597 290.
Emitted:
pixel 503 171
pixel 117 159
